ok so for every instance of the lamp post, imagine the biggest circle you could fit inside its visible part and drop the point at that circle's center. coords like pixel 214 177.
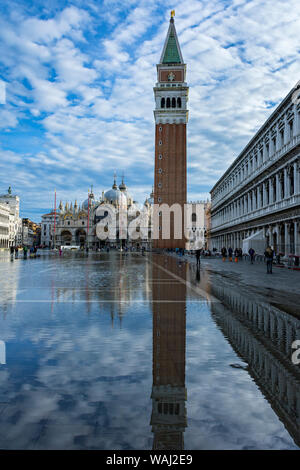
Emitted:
pixel 88 222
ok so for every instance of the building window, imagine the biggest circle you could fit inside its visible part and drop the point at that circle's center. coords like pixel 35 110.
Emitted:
pixel 160 128
pixel 282 137
pixel 162 103
pixel 160 157
pixel 178 102
pixel 160 171
pixel 159 199
pixel 274 144
pixel 173 102
pixel 194 217
pixel 168 103
pixel 160 142
pixel 159 185
pixel 291 129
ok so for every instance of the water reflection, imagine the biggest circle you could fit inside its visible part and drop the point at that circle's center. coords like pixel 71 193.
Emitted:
pixel 72 381
pixel 9 281
pixel 115 279
pixel 168 419
pixel 262 335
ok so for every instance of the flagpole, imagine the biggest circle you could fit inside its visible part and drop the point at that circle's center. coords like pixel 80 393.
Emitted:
pixel 88 221
pixel 54 217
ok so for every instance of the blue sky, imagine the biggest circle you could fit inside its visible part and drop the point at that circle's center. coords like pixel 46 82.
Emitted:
pixel 79 89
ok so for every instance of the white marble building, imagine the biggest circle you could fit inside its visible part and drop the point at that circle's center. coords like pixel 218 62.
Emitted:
pixel 257 200
pixel 47 228
pixel 15 222
pixel 4 226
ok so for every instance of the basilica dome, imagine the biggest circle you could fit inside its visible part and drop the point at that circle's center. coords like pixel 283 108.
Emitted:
pixel 117 195
pixel 85 204
pixel 112 195
pixel 150 200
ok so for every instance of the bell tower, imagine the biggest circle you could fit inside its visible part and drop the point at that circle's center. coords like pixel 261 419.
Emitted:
pixel 171 117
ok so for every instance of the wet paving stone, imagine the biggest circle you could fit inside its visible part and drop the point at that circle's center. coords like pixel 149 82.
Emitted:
pixel 124 351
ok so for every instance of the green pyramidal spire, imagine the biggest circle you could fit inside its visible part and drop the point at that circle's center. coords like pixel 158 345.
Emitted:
pixel 171 52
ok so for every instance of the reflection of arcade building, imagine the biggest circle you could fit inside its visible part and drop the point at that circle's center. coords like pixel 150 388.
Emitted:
pixel 168 419
pixel 76 225
pixel 263 335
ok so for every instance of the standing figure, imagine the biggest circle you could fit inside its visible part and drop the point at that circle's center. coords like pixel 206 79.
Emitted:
pixel 230 251
pixel 12 251
pixel 198 253
pixel 224 253
pixel 16 252
pixel 269 254
pixel 252 255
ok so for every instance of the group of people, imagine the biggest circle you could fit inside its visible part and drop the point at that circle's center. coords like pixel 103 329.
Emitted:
pixel 238 253
pixel 14 252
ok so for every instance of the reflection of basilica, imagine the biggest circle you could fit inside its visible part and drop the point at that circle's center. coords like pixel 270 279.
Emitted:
pixel 262 335
pixel 168 418
pixel 113 287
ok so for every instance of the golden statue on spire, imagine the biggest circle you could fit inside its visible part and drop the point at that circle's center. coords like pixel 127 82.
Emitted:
pixel 172 13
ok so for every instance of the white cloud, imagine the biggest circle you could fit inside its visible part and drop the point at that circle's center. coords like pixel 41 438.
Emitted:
pixel 87 77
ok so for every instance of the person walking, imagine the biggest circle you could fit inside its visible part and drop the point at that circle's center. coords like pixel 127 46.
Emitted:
pixel 269 254
pixel 198 253
pixel 224 253
pixel 252 255
pixel 25 250
pixel 12 251
pixel 16 252
pixel 236 255
pixel 230 251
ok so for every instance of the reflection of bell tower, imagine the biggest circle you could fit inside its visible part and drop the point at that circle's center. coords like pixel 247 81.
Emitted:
pixel 168 418
pixel 171 117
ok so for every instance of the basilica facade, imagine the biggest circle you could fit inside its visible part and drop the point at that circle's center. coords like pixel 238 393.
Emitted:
pixel 76 224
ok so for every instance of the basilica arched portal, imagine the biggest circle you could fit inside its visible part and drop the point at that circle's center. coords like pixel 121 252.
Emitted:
pixel 66 237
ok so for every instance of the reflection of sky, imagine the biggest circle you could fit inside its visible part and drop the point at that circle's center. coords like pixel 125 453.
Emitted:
pixel 74 381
